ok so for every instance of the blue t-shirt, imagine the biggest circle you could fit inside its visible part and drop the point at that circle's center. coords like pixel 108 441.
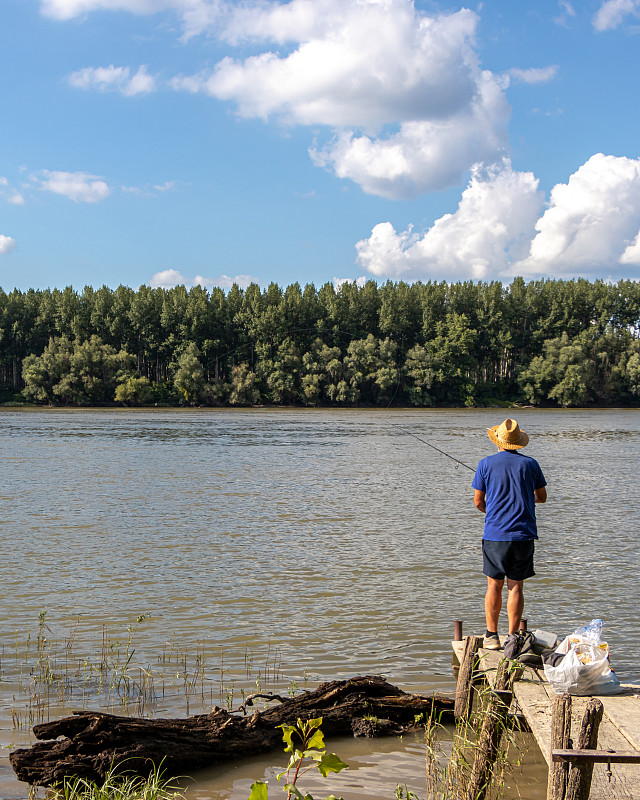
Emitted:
pixel 509 480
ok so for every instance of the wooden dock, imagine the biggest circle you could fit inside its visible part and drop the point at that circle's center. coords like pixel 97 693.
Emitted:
pixel 619 729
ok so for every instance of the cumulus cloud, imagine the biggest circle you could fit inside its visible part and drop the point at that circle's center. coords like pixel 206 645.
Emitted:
pixel 77 186
pixel 534 74
pixel 592 222
pixel 356 64
pixel 169 278
pixel 590 227
pixel 113 78
pixel 612 13
pixel 6 244
pixel 410 107
pixel 492 226
pixel 426 155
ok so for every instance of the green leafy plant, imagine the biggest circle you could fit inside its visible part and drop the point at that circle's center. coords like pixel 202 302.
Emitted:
pixel 304 742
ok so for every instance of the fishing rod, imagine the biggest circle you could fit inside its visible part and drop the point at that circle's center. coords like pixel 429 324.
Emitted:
pixel 424 441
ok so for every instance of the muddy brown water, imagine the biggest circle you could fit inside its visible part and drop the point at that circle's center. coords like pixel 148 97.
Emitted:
pixel 186 558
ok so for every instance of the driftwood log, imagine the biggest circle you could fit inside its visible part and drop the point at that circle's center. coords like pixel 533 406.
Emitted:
pixel 94 741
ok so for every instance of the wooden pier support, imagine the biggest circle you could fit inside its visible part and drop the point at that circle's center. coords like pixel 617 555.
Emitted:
pixel 560 740
pixel 464 687
pixel 570 778
pixel 494 722
pixel 579 783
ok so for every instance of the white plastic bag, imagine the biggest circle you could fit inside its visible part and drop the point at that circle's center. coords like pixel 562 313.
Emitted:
pixel 584 670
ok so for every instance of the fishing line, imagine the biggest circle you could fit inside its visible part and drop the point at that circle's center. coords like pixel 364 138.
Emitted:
pixel 424 441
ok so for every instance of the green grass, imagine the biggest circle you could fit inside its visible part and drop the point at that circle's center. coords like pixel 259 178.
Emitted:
pixel 118 786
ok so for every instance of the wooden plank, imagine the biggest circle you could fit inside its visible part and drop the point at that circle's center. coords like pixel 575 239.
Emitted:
pixel 597 756
pixel 624 712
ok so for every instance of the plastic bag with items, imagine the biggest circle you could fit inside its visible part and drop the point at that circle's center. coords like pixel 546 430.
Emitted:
pixel 580 664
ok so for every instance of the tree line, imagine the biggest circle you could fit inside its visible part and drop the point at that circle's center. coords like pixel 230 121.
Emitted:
pixel 551 342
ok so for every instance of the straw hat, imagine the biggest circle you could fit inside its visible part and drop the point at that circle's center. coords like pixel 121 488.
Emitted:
pixel 508 435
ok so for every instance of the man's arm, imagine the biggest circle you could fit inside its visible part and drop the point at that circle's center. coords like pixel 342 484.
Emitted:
pixel 478 500
pixel 541 494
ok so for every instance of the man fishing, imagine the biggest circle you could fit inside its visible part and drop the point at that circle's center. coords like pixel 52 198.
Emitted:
pixel 507 486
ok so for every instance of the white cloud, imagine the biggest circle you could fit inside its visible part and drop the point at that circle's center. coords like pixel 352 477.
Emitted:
pixel 591 227
pixel 6 244
pixel 225 281
pixel 151 190
pixel 67 9
pixel 426 155
pixel 493 225
pixel 197 16
pixel 567 11
pixel 167 186
pixel 113 78
pixel 534 75
pixel 11 195
pixel 340 282
pixel 77 186
pixel 410 107
pixel 592 222
pixel 612 13
pixel 364 63
pixel 168 278
pixel 631 254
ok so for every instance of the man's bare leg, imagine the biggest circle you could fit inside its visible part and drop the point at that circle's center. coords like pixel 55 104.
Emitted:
pixel 515 604
pixel 493 602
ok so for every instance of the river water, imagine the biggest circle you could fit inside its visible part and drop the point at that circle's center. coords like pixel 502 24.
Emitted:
pixel 189 557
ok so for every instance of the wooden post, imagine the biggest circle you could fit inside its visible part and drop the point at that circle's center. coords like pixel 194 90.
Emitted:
pixel 457 630
pixel 560 735
pixel 464 701
pixel 493 723
pixel 579 783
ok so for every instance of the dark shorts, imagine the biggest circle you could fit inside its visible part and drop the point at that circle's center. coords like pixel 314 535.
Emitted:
pixel 513 559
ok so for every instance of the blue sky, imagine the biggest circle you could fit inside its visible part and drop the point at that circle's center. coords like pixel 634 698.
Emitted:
pixel 206 141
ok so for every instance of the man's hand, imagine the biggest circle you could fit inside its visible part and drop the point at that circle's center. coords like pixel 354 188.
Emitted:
pixel 541 495
pixel 478 500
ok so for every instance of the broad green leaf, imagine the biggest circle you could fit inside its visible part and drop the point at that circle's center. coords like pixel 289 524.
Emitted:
pixel 259 791
pixel 287 733
pixel 330 763
pixel 332 797
pixel 314 723
pixel 316 742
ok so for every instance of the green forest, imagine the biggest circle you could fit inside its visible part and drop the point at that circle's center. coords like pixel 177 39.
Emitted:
pixel 546 342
